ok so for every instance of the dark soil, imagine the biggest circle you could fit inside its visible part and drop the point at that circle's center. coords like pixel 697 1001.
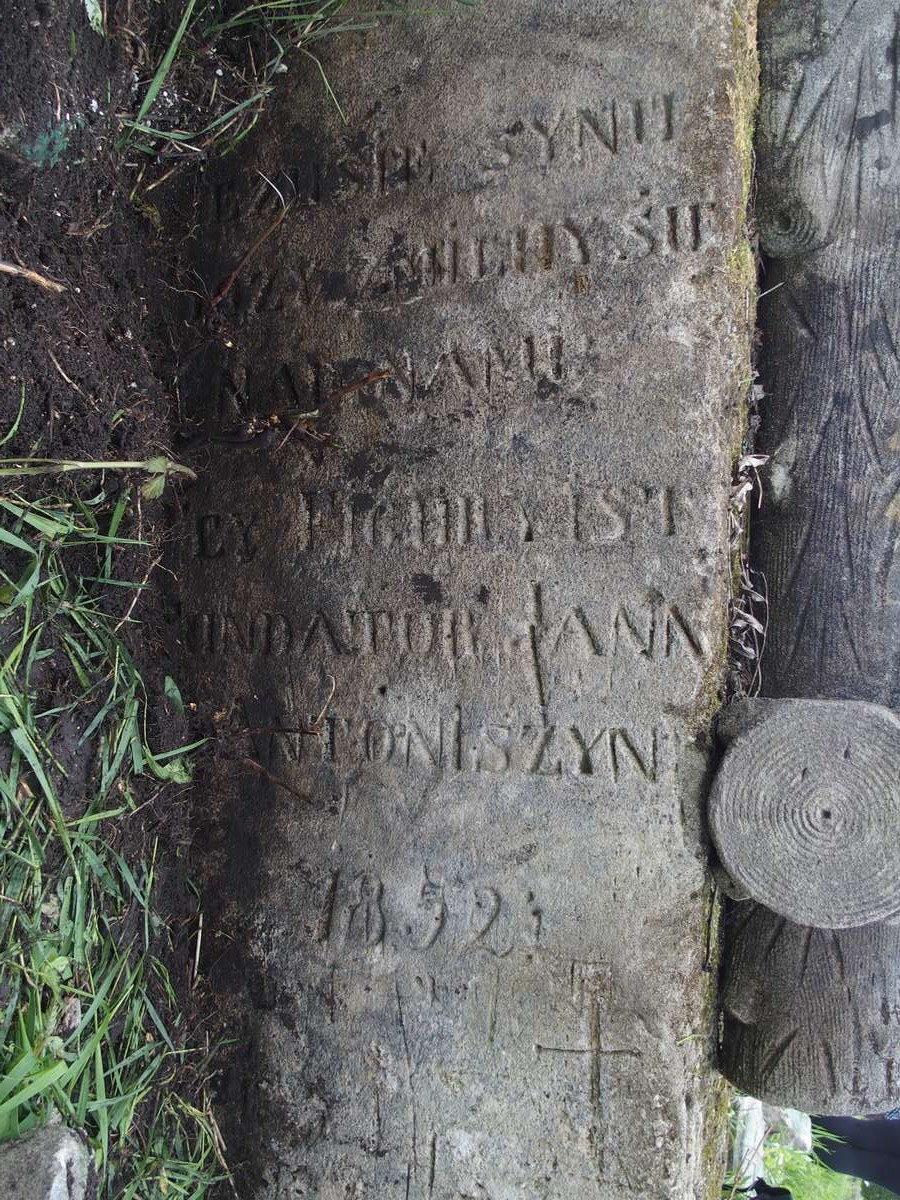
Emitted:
pixel 99 365
pixel 92 361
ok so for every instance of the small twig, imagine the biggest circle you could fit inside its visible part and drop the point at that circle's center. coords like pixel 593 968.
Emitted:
pixel 303 731
pixel 316 726
pixel 273 779
pixel 195 975
pixel 87 231
pixel 314 729
pixel 49 285
pixel 746 1160
pixel 71 382
pixel 275 189
pixel 264 236
pixel 137 593
pixel 356 386
pixel 710 922
pixel 162 179
pixel 770 290
pixel 218 1140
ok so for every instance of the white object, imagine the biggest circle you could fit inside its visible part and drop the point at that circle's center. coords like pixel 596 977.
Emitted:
pixel 746 1158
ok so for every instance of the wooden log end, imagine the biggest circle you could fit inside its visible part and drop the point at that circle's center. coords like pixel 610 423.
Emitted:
pixel 805 812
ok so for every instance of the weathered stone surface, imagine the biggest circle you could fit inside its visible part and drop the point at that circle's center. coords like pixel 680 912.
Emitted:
pixel 805 811
pixel 828 205
pixel 51 1164
pixel 463 943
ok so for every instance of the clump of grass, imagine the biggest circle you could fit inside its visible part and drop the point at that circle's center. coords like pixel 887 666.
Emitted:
pixel 219 66
pixel 800 1171
pixel 803 1174
pixel 88 1014
pixel 240 51
pixel 159 469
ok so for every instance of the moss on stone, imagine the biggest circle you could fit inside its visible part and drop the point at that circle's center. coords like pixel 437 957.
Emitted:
pixel 744 89
pixel 715 1124
pixel 715 1137
pixel 741 271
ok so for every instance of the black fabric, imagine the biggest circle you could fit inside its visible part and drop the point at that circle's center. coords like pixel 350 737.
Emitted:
pixel 869 1149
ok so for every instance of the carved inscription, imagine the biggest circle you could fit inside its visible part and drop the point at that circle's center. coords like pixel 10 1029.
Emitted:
pixel 505 745
pixel 357 910
pixel 544 361
pixel 457 256
pixel 654 631
pixel 587 136
pixel 346 522
pixel 225 535
pixel 375 166
pixel 536 366
pixel 417 263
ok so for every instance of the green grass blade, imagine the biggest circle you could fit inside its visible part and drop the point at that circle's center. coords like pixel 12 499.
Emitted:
pixel 14 428
pixel 38 1083
pixel 165 65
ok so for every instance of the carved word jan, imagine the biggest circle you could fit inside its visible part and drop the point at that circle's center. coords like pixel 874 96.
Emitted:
pixel 343 523
pixel 505 746
pixel 357 909
pixel 655 632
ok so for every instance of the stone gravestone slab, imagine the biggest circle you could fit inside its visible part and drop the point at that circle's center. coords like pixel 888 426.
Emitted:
pixel 455 897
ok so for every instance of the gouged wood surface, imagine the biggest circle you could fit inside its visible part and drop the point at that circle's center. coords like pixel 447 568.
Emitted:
pixel 828 206
pixel 802 1027
pixel 811 1014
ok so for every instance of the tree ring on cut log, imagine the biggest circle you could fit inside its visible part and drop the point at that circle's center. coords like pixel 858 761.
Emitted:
pixel 788 226
pixel 805 812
